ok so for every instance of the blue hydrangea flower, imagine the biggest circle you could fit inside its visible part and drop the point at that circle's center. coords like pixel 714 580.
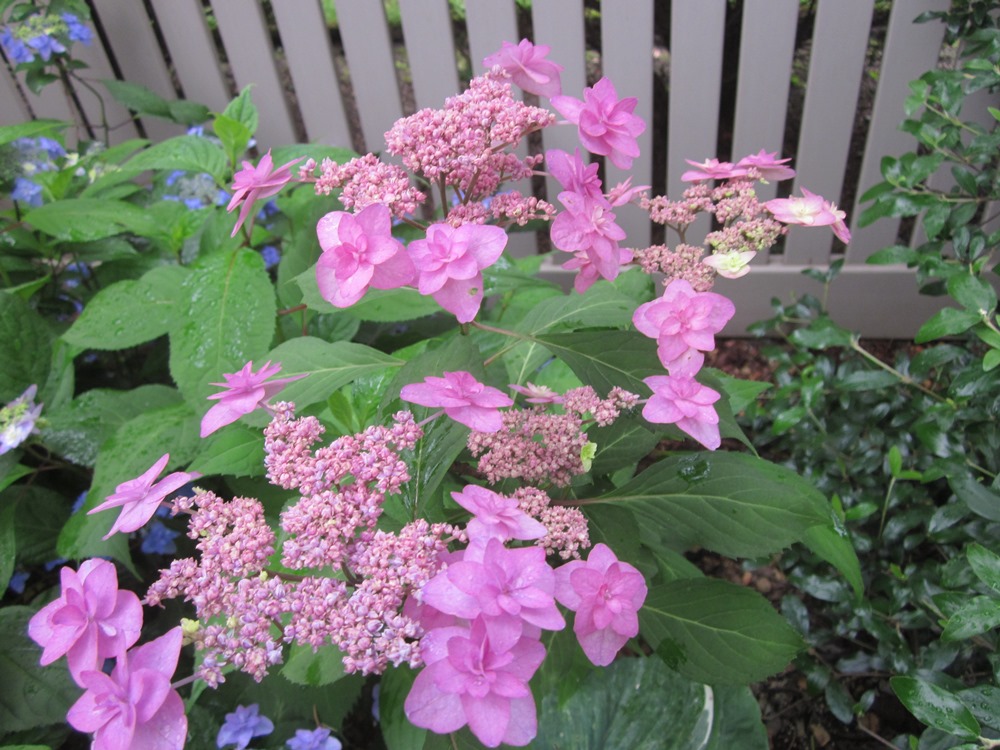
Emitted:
pixel 17 51
pixel 46 45
pixel 196 130
pixel 271 256
pixel 77 31
pixel 243 725
pixel 17 420
pixel 52 147
pixel 18 580
pixel 27 191
pixel 268 210
pixel 193 204
pixel 173 177
pixel 159 539
pixel 317 739
pixel 222 197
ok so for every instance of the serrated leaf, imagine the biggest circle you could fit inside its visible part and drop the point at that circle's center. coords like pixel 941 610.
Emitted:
pixel 9 133
pixel 78 429
pixel 948 321
pixel 635 704
pixel 732 503
pixel 30 695
pixel 623 442
pixel 185 152
pixel 88 219
pixel 228 321
pixel 328 366
pixel 236 451
pixel 243 110
pixel 716 632
pixel 604 359
pixel 139 99
pixel 129 312
pixel 936 707
pixel 314 669
pixel 25 347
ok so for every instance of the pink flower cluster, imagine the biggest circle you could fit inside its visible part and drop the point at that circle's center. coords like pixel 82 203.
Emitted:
pixel 365 181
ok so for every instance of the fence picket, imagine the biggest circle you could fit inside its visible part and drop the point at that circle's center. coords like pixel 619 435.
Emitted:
pixel 836 64
pixel 14 109
pixel 310 61
pixel 430 48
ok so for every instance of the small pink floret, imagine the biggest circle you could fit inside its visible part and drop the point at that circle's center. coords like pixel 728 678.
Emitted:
pixel 606 124
pixel 810 210
pixel 140 497
pixel 462 397
pixel 712 169
pixel 680 399
pixel 244 392
pixel 768 165
pixel 496 516
pixel 528 67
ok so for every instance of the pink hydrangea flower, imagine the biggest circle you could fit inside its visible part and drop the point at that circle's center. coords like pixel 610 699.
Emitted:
pixel 526 64
pixel 810 210
pixel 605 122
pixel 680 399
pixel 244 392
pixel 90 621
pixel 537 394
pixel 574 176
pixel 252 183
pixel 712 169
pixel 587 273
pixel 588 225
pixel 134 708
pixel 462 397
pixel 450 263
pixel 768 165
pixel 683 319
pixel 606 595
pixel 496 516
pixel 734 264
pixel 475 678
pixel 140 497
pixel 359 251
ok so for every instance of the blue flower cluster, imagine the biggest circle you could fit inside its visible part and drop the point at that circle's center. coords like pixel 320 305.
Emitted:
pixel 34 155
pixel 43 35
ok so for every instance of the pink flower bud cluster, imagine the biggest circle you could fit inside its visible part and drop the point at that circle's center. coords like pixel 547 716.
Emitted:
pixel 540 447
pixel 566 531
pixel 680 262
pixel 678 214
pixel 463 145
pixel 366 180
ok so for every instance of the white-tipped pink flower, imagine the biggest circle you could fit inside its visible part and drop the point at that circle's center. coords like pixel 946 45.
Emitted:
pixel 528 67
pixel 140 497
pixel 244 392
pixel 450 263
pixel 605 123
pixel 680 399
pixel 712 169
pixel 606 595
pixel 734 264
pixel 359 251
pixel 252 183
pixel 90 621
pixel 462 397
pixel 810 210
pixel 768 165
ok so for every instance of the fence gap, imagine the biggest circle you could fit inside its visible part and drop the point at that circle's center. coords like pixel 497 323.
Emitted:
pixel 730 78
pixel 161 44
pixel 661 100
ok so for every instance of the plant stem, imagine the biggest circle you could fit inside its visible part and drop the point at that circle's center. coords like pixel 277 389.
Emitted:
pixel 905 379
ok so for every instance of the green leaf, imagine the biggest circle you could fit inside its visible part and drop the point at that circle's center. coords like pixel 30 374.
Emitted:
pixel 234 136
pixel 615 527
pixel 867 380
pixel 972 293
pixel 732 503
pixel 314 669
pixel 38 516
pixel 894 254
pixel 129 312
pixel 30 129
pixel 25 347
pixel 984 703
pixel 30 695
pixel 976 616
pixel 740 393
pixel 235 450
pixel 936 707
pixel 822 334
pixel 985 564
pixel 634 704
pixel 242 110
pixel 328 366
pixel 138 98
pixel 716 632
pixel 737 721
pixel 429 461
pixel 78 429
pixel 88 219
pixel 948 321
pixel 228 321
pixel 135 446
pixel 981 500
pixel 8 541
pixel 603 360
pixel 185 152
pixel 623 442
pixel 833 544
pixel 397 731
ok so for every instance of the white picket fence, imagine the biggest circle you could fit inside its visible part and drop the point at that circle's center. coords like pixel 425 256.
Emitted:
pixel 166 44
